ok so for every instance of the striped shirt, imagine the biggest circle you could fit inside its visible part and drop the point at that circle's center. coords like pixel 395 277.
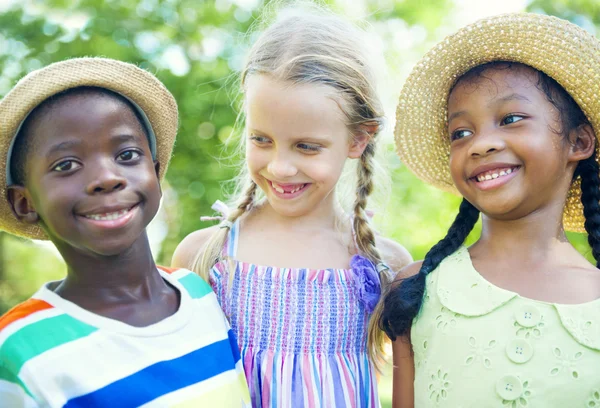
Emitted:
pixel 55 354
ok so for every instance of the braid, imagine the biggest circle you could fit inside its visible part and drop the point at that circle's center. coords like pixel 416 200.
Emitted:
pixel 403 302
pixel 365 238
pixel 207 256
pixel 589 170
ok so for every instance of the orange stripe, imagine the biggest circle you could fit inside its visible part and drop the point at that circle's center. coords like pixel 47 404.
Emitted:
pixel 167 270
pixel 23 310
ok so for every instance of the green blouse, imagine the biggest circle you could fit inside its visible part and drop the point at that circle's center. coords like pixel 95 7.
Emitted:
pixel 478 345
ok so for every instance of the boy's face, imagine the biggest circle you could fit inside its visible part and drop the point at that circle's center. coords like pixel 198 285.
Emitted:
pixel 90 181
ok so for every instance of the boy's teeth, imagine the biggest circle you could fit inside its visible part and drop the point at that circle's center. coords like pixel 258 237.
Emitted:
pixel 108 216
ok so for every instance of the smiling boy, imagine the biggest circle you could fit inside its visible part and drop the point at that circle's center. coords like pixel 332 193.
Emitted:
pixel 84 144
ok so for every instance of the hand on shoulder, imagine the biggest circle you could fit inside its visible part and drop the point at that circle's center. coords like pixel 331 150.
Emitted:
pixel 188 249
pixel 394 254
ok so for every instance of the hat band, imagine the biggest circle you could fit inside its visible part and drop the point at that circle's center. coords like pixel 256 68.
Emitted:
pixel 146 123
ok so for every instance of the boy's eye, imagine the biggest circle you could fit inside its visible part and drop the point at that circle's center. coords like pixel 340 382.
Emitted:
pixel 66 165
pixel 459 134
pixel 309 147
pixel 508 119
pixel 128 155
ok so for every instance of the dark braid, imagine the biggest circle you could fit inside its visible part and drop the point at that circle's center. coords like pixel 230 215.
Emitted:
pixel 589 170
pixel 403 302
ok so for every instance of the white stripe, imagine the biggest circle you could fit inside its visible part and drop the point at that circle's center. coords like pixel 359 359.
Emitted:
pixel 180 273
pixel 103 357
pixel 194 391
pixel 32 318
pixel 13 396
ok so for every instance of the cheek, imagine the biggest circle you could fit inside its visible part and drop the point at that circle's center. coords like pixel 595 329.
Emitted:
pixel 325 170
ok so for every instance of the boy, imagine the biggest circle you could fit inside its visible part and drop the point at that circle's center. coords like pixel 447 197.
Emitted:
pixel 84 144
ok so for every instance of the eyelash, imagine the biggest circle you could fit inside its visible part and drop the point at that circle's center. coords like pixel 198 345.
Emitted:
pixel 502 123
pixel 312 148
pixel 57 166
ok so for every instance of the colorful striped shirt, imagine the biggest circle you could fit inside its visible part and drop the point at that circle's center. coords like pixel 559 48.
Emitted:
pixel 55 354
pixel 302 333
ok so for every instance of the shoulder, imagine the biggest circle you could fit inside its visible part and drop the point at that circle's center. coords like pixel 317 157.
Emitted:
pixel 409 270
pixel 394 254
pixel 187 250
pixel 24 316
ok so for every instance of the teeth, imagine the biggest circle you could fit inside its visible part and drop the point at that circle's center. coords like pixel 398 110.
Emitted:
pixel 492 176
pixel 280 189
pixel 108 216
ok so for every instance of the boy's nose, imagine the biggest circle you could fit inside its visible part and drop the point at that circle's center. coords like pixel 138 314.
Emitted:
pixel 106 179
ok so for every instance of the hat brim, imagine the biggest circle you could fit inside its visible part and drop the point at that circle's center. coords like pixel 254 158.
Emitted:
pixel 139 86
pixel 560 49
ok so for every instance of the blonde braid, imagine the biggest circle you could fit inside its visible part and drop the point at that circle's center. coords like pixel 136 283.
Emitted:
pixel 210 254
pixel 365 240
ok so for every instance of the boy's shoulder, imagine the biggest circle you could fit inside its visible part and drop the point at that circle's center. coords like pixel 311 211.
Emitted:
pixel 193 284
pixel 25 314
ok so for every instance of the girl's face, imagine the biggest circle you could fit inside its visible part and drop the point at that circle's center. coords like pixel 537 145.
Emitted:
pixel 507 156
pixel 297 143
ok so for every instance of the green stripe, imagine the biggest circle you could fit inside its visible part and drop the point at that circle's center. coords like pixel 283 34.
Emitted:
pixel 10 377
pixel 39 337
pixel 195 285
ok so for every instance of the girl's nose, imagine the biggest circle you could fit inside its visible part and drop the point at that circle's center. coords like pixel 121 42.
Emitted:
pixel 485 143
pixel 281 167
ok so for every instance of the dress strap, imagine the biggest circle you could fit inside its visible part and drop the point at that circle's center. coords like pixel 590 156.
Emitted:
pixel 230 247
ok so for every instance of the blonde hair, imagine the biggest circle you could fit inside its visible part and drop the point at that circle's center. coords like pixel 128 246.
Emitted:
pixel 317 47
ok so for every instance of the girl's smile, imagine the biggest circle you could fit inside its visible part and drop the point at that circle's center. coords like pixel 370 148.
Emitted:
pixel 288 191
pixel 507 156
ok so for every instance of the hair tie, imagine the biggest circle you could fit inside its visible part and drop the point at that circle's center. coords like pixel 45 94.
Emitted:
pixel 226 224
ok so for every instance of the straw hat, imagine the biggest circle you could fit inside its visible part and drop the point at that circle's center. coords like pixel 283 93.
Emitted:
pixel 560 49
pixel 154 102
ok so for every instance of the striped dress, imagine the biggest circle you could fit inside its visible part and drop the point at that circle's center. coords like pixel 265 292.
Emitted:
pixel 55 354
pixel 302 333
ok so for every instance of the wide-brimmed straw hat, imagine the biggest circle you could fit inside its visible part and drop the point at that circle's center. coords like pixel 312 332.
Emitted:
pixel 155 104
pixel 560 49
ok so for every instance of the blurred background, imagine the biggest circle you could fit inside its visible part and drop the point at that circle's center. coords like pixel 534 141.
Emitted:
pixel 197 47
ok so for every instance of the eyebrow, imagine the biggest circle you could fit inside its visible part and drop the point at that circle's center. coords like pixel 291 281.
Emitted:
pixel 495 102
pixel 70 144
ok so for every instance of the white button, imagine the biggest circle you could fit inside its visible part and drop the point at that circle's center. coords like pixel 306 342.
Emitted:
pixel 519 351
pixel 528 316
pixel 509 387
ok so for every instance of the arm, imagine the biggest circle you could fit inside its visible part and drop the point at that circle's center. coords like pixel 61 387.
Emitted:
pixel 188 249
pixel 403 358
pixel 403 373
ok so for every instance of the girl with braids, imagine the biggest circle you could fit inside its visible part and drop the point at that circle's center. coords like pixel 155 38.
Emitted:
pixel 302 322
pixel 506 112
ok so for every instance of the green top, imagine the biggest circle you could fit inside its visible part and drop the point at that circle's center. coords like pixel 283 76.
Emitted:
pixel 478 345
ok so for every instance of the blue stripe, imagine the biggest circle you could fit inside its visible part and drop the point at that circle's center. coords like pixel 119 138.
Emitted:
pixel 235 349
pixel 160 379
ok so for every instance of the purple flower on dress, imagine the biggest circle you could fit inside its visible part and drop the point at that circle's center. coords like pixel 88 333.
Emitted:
pixel 366 281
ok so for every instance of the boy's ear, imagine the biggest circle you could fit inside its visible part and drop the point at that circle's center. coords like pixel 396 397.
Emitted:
pixel 366 131
pixel 583 142
pixel 21 204
pixel 157 167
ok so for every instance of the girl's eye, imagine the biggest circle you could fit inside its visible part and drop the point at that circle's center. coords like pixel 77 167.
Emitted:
pixel 66 165
pixel 459 134
pixel 128 155
pixel 313 148
pixel 259 139
pixel 508 119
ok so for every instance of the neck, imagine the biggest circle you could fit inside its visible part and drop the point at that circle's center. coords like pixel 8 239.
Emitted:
pixel 128 276
pixel 322 215
pixel 537 235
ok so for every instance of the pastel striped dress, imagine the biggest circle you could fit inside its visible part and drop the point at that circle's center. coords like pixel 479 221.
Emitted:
pixel 302 333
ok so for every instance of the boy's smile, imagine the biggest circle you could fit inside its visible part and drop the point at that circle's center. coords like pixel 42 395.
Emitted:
pixel 90 177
